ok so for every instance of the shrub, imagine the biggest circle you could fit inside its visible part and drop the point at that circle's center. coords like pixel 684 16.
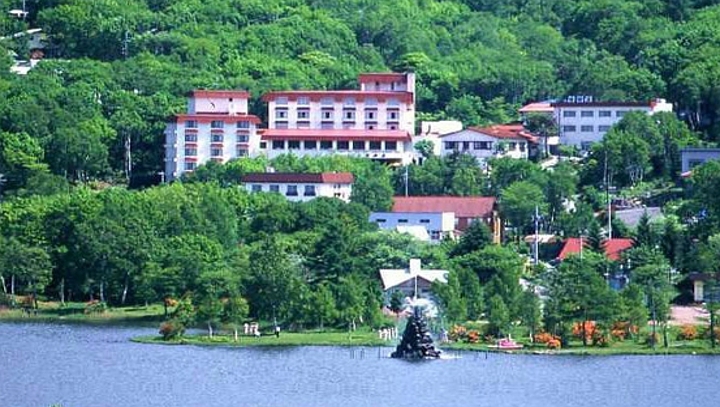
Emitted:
pixel 590 330
pixel 543 337
pixel 95 307
pixel 171 330
pixel 688 333
pixel 473 336
pixel 554 344
pixel 457 333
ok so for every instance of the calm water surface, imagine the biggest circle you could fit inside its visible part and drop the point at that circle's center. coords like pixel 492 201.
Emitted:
pixel 80 366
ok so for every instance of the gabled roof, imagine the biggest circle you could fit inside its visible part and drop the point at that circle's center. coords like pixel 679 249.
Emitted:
pixel 462 206
pixel 537 107
pixel 204 93
pixel 299 178
pixel 394 277
pixel 613 247
pixel 335 134
pixel 500 132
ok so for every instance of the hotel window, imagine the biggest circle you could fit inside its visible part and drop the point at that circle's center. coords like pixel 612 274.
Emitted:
pixel 371 102
pixel 392 115
pixel 522 147
pixel 424 220
pixel 568 129
pixel 327 125
pixel 263 145
pixel 303 101
pixel 343 145
pixel 369 126
pixel 435 235
pixel 241 152
pixel 605 113
pixel 293 144
pixel 349 102
pixel 256 187
pixel 217 124
pixel 587 113
pixel 326 145
pixel 391 145
pixel 191 124
pixel 482 145
pixel 402 221
pixel 370 115
pixel 465 145
pixel 603 128
pixel 281 114
pixel 569 113
pixel 241 138
pixel 243 125
pixel 190 166
pixel 216 138
pixel 375 145
pixel 327 101
pixel 587 129
pixel 393 127
pixel 216 152
pixel 190 138
pixel 358 145
pixel 191 151
pixel 291 190
pixel 620 113
pixel 512 146
pixel 310 144
pixel 393 102
pixel 274 188
pixel 309 190
pixel 586 145
pixel 303 114
pixel 281 125
pixel 380 220
pixel 327 114
pixel 349 115
pixel 281 101
pixel 278 144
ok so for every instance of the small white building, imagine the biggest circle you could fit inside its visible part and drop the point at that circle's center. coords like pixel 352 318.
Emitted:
pixel 507 140
pixel 433 130
pixel 438 225
pixel 691 157
pixel 302 187
pixel 582 121
pixel 413 281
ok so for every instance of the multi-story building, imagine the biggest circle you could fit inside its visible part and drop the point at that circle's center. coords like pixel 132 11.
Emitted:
pixel 506 140
pixel 216 127
pixel 438 225
pixel 375 122
pixel 584 122
pixel 302 186
pixel 691 157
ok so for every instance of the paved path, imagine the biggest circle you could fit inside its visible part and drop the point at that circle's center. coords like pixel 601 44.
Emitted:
pixel 691 314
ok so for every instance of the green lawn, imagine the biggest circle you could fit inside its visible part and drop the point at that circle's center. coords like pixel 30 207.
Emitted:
pixel 361 337
pixel 76 312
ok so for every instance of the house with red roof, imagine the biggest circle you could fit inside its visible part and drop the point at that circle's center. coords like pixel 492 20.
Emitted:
pixel 466 209
pixel 301 187
pixel 613 247
pixel 503 140
pixel 376 122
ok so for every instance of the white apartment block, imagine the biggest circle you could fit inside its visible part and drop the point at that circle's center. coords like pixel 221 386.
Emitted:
pixel 375 122
pixel 507 140
pixel 582 122
pixel 438 224
pixel 299 187
pixel 217 127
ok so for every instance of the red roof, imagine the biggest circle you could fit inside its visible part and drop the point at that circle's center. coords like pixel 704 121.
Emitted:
pixel 339 95
pixel 241 94
pixel 603 104
pixel 506 131
pixel 224 117
pixel 537 107
pixel 335 134
pixel 613 247
pixel 383 77
pixel 300 178
pixel 462 206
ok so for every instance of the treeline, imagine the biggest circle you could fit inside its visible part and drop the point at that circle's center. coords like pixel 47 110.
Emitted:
pixel 118 69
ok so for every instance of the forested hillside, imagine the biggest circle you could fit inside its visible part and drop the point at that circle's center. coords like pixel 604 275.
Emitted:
pixel 117 69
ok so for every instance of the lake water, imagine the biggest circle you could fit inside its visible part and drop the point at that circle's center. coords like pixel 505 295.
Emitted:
pixel 81 366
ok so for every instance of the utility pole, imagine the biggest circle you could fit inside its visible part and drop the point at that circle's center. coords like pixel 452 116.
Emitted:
pixel 607 196
pixel 536 244
pixel 407 181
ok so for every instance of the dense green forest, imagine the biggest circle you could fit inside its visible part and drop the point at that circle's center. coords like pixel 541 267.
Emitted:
pixel 117 69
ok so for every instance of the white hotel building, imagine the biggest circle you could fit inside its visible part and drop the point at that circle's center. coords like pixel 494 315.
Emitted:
pixel 375 122
pixel 302 187
pixel 581 124
pixel 217 127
